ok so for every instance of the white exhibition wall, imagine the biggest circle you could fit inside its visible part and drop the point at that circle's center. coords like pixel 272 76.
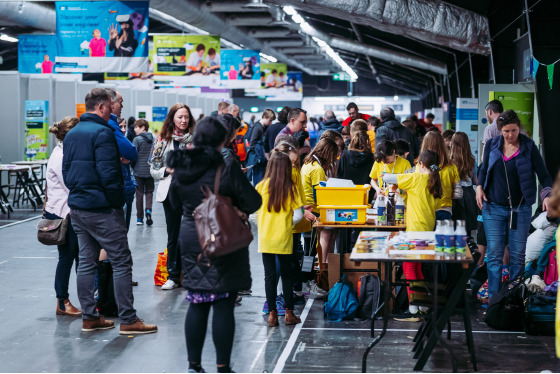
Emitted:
pixel 64 91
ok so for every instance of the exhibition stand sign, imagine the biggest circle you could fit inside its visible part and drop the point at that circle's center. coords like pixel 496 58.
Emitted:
pixel 467 121
pixel 36 54
pixel 36 129
pixel 159 113
pixel 240 68
pixel 523 103
pixel 102 36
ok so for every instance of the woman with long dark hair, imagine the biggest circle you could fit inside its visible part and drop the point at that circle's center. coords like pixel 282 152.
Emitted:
pixel 123 43
pixel 176 133
pixel 212 284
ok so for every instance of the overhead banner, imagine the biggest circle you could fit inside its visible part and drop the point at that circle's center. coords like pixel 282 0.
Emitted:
pixel 36 54
pixel 240 68
pixel 278 84
pixel 36 129
pixel 192 60
pixel 102 36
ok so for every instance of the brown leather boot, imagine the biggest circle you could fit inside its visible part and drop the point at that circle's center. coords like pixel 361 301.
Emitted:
pixel 291 318
pixel 273 318
pixel 69 309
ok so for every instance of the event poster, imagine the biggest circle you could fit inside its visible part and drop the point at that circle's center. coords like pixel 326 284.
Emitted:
pixel 523 103
pixel 102 36
pixel 36 129
pixel 159 113
pixel 36 54
pixel 240 68
pixel 193 60
pixel 279 84
pixel 467 121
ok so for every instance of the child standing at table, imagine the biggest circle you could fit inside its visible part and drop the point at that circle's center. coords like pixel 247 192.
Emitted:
pixel 282 207
pixel 386 161
pixel 424 189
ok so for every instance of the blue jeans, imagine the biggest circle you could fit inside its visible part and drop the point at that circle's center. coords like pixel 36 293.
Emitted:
pixel 107 231
pixel 496 223
pixel 67 255
pixel 442 215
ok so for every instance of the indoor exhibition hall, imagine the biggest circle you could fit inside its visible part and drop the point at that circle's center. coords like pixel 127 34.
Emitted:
pixel 279 186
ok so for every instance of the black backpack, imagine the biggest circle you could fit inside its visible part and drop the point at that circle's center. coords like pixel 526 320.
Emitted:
pixel 369 299
pixel 506 308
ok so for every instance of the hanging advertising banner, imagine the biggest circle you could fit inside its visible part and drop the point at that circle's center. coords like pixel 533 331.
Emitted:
pixel 36 129
pixel 240 68
pixel 102 36
pixel 36 54
pixel 187 60
pixel 523 103
pixel 467 121
pixel 273 81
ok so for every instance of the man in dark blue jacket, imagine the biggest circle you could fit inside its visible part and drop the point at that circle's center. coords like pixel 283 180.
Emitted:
pixel 92 172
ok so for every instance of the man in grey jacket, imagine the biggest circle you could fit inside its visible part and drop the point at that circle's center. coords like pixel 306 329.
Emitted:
pixel 393 130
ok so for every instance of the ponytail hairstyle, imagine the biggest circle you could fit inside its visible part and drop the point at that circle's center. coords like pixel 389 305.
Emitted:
pixel 60 129
pixel 280 182
pixel 336 136
pixel 433 141
pixel 460 154
pixel 430 160
pixel 359 140
pixel 509 117
pixel 386 149
pixel 287 148
pixel 326 152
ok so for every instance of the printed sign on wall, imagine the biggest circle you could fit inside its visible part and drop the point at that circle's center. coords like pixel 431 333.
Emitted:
pixel 36 129
pixel 102 36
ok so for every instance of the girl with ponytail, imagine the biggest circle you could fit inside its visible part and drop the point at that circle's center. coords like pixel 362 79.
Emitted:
pixel 424 191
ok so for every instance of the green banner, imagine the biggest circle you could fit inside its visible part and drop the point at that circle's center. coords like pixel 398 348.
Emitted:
pixel 189 55
pixel 36 129
pixel 523 103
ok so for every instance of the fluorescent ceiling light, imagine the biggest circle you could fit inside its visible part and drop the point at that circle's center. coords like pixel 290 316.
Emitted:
pixel 329 99
pixel 267 57
pixel 8 38
pixel 308 29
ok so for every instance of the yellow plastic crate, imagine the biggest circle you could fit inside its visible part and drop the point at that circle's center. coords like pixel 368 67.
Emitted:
pixel 342 195
pixel 343 214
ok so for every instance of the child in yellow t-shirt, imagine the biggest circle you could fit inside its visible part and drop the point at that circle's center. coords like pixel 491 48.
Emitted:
pixel 282 207
pixel 424 189
pixel 317 165
pixel 433 141
pixel 386 161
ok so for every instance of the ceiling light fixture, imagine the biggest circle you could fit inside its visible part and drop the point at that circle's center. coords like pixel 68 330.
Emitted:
pixel 307 28
pixel 256 4
pixel 267 57
pixel 8 38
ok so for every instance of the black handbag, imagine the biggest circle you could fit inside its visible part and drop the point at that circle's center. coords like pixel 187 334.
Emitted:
pixel 51 231
pixel 506 308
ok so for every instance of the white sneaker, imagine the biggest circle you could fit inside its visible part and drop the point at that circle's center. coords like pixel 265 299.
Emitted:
pixel 315 291
pixel 169 285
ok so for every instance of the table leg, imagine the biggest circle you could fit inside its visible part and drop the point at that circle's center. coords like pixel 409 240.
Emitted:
pixel 439 323
pixel 386 311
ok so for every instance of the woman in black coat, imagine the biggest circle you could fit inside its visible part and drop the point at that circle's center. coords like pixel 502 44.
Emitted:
pixel 215 284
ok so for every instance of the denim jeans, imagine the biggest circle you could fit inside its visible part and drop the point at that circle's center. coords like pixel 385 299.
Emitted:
pixel 496 223
pixel 442 215
pixel 107 231
pixel 67 255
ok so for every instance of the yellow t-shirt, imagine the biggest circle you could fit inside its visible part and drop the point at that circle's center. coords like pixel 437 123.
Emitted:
pixel 421 204
pixel 311 174
pixel 303 225
pixel 398 167
pixel 371 134
pixel 449 176
pixel 275 228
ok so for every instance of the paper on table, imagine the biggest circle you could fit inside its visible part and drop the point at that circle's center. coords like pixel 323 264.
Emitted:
pixel 336 182
pixel 421 235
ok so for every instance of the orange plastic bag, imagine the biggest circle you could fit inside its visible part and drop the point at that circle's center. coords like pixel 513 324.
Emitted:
pixel 160 276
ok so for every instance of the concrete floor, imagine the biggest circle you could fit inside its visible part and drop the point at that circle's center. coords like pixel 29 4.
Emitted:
pixel 34 339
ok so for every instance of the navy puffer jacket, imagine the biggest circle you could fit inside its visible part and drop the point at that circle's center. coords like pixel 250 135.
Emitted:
pixel 91 166
pixel 528 162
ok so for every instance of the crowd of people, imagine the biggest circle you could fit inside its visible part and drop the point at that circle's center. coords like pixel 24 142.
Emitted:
pixel 270 170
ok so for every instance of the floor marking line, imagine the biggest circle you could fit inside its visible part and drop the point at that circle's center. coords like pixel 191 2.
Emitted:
pixel 293 338
pixel 261 349
pixel 408 330
pixel 18 222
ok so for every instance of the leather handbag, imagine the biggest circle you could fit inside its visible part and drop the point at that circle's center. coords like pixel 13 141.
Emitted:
pixel 51 231
pixel 222 228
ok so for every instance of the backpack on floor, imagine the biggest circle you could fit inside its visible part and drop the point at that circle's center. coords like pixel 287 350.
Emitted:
pixel 341 301
pixel 369 296
pixel 551 270
pixel 506 308
pixel 540 313
pixel 106 303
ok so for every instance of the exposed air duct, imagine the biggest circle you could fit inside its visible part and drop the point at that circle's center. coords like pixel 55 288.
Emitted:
pixel 23 13
pixel 435 22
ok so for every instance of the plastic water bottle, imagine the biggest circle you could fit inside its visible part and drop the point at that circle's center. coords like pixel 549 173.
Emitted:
pixel 399 210
pixel 391 209
pixel 449 237
pixel 461 238
pixel 439 236
pixel 381 211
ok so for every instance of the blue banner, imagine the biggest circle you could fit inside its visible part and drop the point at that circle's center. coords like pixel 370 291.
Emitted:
pixel 102 36
pixel 240 68
pixel 36 54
